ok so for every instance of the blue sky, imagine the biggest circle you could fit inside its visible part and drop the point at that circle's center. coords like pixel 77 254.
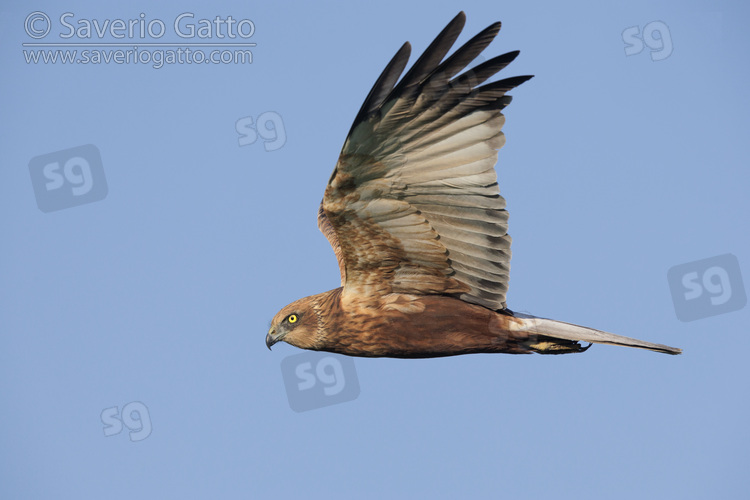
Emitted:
pixel 154 296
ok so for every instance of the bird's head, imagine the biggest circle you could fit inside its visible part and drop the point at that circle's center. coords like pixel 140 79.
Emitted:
pixel 295 324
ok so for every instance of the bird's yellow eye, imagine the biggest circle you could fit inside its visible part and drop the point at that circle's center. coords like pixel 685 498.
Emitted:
pixel 292 318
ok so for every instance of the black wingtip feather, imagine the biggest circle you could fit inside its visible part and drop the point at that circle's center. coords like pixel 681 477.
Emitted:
pixel 429 64
pixel 506 84
pixel 469 51
pixel 385 83
pixel 431 57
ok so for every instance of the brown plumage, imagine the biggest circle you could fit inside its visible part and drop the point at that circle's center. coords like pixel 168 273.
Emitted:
pixel 414 214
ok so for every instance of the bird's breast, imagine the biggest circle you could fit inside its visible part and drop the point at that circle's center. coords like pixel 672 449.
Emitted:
pixel 410 326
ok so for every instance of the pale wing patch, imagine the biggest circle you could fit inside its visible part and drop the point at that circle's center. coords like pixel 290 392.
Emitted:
pixel 408 304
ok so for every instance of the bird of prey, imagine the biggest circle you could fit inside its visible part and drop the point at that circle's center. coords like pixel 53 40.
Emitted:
pixel 414 214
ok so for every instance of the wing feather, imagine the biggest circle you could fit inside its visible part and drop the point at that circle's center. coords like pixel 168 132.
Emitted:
pixel 413 205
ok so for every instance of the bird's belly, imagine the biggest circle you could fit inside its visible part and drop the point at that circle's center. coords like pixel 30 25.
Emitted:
pixel 422 327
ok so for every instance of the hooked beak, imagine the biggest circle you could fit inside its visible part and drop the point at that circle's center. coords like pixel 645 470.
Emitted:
pixel 270 340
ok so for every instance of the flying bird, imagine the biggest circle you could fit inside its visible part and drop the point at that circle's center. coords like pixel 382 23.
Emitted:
pixel 414 215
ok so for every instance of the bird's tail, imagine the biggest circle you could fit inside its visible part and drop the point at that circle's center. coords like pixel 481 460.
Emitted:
pixel 556 337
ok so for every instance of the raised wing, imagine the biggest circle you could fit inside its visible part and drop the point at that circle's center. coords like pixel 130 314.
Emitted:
pixel 413 205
